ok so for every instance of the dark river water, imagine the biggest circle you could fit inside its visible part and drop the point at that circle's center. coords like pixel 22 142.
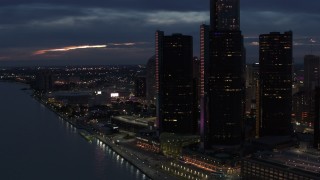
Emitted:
pixel 36 144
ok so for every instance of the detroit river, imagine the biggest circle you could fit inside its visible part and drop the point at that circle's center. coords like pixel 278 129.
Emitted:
pixel 36 144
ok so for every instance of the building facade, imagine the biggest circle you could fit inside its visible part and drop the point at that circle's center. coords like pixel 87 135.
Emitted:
pixel 275 56
pixel 259 169
pixel 311 72
pixel 225 15
pixel 225 74
pixel 252 79
pixel 176 103
pixel 311 80
pixel 204 66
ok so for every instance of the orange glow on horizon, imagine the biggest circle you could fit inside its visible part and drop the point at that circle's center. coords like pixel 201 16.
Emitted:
pixel 68 48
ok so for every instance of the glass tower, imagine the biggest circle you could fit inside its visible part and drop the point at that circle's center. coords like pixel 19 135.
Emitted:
pixel 175 86
pixel 225 74
pixel 225 15
pixel 275 56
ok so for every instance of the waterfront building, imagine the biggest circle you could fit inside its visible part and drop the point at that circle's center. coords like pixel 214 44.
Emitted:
pixel 140 86
pixel 225 74
pixel 174 81
pixel 275 55
pixel 71 97
pixel 285 165
pixel 132 124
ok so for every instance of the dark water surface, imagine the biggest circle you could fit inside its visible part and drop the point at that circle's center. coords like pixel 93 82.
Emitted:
pixel 35 144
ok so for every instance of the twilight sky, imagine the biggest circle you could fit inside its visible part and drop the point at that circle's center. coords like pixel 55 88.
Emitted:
pixel 84 32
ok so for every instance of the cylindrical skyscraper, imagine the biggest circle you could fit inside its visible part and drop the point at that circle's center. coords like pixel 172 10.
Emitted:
pixel 175 86
pixel 225 74
pixel 225 15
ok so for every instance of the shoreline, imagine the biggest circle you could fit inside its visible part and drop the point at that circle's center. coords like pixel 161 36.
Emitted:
pixel 114 147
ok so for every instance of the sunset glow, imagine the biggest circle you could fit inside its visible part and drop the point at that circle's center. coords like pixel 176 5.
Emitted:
pixel 68 48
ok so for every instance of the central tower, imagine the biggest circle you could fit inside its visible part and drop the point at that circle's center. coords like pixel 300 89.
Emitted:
pixel 224 75
pixel 225 15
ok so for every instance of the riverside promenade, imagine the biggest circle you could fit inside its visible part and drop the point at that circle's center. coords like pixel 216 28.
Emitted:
pixel 136 160
pixel 146 167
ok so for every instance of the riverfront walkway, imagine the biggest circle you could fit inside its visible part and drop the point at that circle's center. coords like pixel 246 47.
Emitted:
pixel 150 168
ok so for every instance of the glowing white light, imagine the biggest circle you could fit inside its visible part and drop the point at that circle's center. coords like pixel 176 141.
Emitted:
pixel 68 48
pixel 114 94
pixel 99 92
pixel 122 44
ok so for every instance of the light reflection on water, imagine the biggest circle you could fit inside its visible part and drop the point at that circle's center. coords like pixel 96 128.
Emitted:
pixel 137 173
pixel 119 160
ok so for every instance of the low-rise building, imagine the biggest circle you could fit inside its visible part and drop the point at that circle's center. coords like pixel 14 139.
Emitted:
pixel 291 164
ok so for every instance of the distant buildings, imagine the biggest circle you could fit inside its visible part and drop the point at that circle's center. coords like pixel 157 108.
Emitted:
pixel 251 124
pixel 311 80
pixel 275 54
pixel 316 142
pixel 252 80
pixel 140 87
pixel 44 81
pixel 311 72
pixel 174 81
pixel 300 108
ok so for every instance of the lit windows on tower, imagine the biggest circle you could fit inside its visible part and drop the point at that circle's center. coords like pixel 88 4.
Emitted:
pixel 275 84
pixel 176 103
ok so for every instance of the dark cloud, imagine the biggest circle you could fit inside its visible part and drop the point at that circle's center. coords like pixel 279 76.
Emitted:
pixel 179 5
pixel 30 25
pixel 284 6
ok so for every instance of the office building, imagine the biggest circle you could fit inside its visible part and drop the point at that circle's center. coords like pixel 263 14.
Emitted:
pixel 311 80
pixel 174 81
pixel 300 108
pixel 252 79
pixel 311 72
pixel 225 15
pixel 285 165
pixel 275 55
pixel 196 78
pixel 225 74
pixel 204 72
